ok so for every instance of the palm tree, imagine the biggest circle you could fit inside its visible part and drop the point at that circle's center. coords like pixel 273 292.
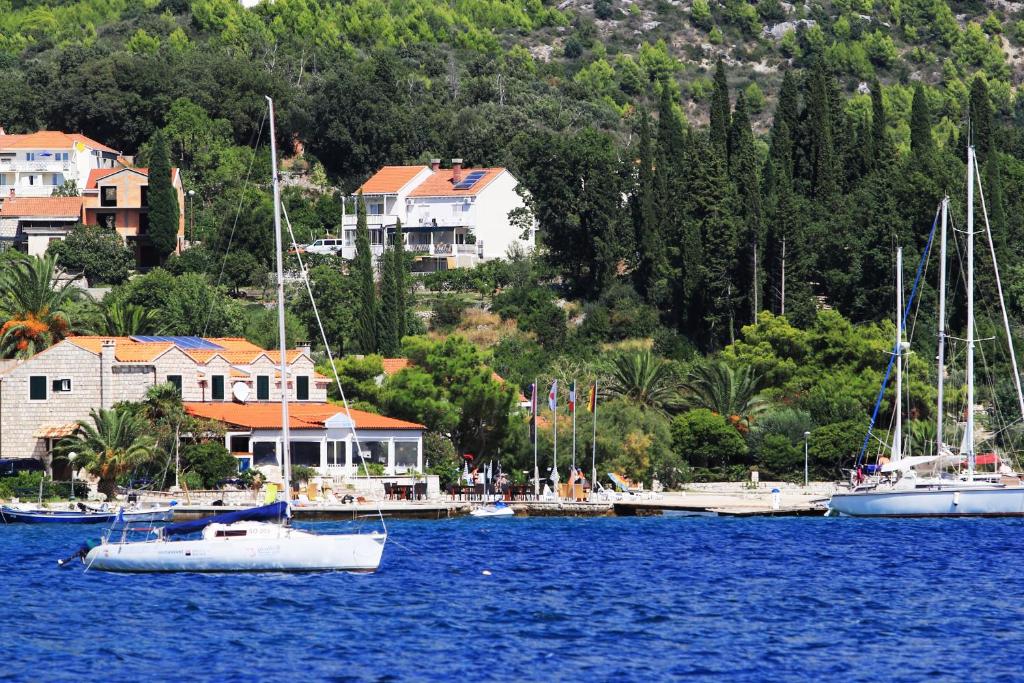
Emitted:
pixel 645 379
pixel 114 443
pixel 126 320
pixel 163 409
pixel 34 302
pixel 732 393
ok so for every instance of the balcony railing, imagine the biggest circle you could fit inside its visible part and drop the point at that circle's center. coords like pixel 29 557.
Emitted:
pixel 8 165
pixel 26 190
pixel 372 220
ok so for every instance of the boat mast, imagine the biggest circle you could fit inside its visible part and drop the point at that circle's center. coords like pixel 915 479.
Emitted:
pixel 897 432
pixel 942 326
pixel 279 258
pixel 968 442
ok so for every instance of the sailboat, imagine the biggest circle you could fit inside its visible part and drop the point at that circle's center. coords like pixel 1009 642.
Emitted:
pixel 254 540
pixel 923 485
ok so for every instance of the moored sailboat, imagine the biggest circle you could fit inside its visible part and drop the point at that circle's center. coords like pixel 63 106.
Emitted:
pixel 923 486
pixel 252 540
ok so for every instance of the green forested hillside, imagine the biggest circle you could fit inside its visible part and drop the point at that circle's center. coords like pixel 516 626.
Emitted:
pixel 678 155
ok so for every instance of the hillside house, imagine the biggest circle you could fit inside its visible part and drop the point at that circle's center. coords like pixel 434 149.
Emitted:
pixel 33 165
pixel 451 217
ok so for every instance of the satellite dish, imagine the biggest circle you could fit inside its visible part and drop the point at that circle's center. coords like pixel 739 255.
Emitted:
pixel 240 392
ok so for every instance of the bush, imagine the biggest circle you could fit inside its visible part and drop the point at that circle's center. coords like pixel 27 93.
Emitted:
pixel 210 462
pixel 447 312
pixel 301 473
pixel 704 439
pixel 98 253
pixel 25 485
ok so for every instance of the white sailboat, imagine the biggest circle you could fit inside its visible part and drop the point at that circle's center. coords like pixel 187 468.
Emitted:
pixel 922 486
pixel 255 540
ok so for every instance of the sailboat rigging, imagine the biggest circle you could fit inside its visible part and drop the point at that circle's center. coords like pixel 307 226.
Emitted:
pixel 253 540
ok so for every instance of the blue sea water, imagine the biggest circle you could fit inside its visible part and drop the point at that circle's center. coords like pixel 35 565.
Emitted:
pixel 567 599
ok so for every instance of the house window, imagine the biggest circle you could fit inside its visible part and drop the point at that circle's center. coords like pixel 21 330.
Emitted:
pixel 176 381
pixel 263 388
pixel 239 443
pixel 302 388
pixel 144 195
pixel 376 236
pixel 217 387
pixel 244 464
pixel 37 388
pixel 106 220
pixel 143 223
pixel 30 156
pixel 406 454
pixel 373 451
pixel 264 453
pixel 305 453
pixel 109 196
pixel 375 208
pixel 61 385
pixel 335 453
pixel 31 180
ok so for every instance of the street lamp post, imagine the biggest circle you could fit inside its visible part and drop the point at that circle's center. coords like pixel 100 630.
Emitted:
pixel 192 215
pixel 71 458
pixel 806 435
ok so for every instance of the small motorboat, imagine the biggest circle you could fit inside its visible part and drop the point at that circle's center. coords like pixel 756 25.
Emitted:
pixel 499 509
pixel 164 513
pixel 42 515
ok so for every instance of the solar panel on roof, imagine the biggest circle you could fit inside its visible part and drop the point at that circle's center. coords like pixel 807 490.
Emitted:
pixel 470 180
pixel 191 343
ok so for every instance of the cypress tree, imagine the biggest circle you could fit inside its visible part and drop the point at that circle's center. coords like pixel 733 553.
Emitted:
pixel 670 178
pixel 821 156
pixel 744 169
pixel 881 152
pixel 649 245
pixel 366 322
pixel 922 145
pixel 720 111
pixel 785 124
pixel 980 118
pixel 399 269
pixel 163 200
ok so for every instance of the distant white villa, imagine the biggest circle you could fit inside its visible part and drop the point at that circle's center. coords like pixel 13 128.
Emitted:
pixel 452 217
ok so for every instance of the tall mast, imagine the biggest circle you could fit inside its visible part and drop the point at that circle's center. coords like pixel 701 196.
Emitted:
pixel 286 460
pixel 897 432
pixel 969 369
pixel 942 326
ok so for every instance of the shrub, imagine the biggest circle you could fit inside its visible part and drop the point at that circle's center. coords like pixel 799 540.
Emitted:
pixel 98 253
pixel 210 462
pixel 447 312
pixel 703 438
pixel 301 473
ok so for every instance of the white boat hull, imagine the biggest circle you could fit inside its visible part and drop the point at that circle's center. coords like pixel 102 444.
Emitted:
pixel 944 502
pixel 493 512
pixel 291 551
pixel 162 514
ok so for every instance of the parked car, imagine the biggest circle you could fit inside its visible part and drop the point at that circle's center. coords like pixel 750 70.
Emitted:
pixel 10 467
pixel 325 245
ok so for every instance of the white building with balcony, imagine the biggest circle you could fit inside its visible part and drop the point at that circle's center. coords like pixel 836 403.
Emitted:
pixel 451 217
pixel 35 164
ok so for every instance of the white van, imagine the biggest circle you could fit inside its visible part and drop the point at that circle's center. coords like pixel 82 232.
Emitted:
pixel 326 245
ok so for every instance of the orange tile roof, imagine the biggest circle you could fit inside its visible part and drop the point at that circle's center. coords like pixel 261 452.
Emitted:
pixel 55 432
pixel 300 415
pixel 389 179
pixel 237 351
pixel 439 183
pixel 97 174
pixel 50 139
pixel 393 365
pixel 125 349
pixel 56 207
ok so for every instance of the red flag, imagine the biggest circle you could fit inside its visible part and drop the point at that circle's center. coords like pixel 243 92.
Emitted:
pixel 572 398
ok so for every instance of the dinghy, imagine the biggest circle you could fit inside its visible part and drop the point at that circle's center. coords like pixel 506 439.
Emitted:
pixel 499 509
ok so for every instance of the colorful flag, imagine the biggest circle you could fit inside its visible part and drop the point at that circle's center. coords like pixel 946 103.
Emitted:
pixel 592 401
pixel 572 398
pixel 533 411
pixel 553 396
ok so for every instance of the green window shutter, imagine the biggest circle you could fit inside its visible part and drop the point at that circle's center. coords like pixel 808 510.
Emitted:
pixel 176 381
pixel 217 388
pixel 37 387
pixel 263 388
pixel 302 388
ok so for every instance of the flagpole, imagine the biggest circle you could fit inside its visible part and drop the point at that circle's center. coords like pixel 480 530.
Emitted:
pixel 572 405
pixel 536 467
pixel 593 455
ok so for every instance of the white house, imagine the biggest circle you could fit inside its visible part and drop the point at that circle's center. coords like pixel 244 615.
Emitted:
pixel 452 217
pixel 33 165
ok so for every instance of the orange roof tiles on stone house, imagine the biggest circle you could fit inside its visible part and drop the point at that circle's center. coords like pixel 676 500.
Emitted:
pixel 51 139
pixel 236 351
pixel 389 179
pixel 98 174
pixel 440 183
pixel 42 207
pixel 300 416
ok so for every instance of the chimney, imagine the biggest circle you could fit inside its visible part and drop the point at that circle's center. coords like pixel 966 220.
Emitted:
pixel 12 193
pixel 435 164
pixel 304 346
pixel 456 170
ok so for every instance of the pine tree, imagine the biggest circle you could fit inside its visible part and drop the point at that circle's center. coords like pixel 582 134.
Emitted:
pixel 164 217
pixel 720 111
pixel 366 323
pixel 744 171
pixel 922 145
